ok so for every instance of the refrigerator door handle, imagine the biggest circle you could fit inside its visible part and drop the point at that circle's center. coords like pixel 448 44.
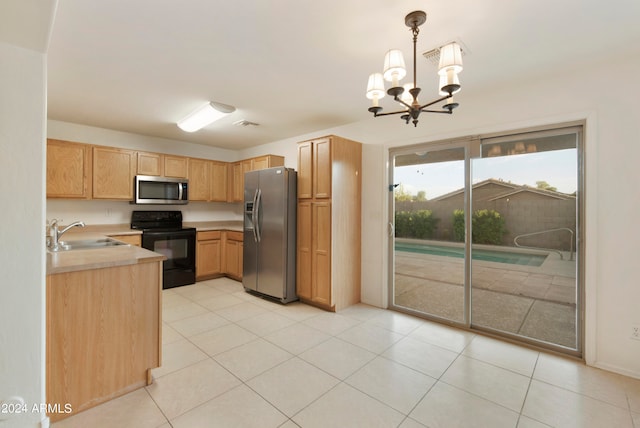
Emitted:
pixel 256 210
pixel 253 216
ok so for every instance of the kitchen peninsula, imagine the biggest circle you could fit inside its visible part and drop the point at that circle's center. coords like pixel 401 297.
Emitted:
pixel 103 323
pixel 104 309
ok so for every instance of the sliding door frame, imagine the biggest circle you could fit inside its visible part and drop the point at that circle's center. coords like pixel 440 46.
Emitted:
pixel 472 146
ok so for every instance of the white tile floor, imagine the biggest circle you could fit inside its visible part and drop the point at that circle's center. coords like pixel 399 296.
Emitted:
pixel 233 360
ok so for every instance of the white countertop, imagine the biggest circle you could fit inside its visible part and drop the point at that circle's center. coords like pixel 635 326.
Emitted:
pixel 95 258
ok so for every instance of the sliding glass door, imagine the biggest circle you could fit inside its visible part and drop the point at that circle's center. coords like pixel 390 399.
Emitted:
pixel 487 234
pixel 525 190
pixel 429 259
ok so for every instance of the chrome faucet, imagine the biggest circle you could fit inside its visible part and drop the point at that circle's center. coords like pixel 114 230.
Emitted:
pixel 56 234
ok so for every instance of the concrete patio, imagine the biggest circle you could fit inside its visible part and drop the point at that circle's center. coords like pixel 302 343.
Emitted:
pixel 536 302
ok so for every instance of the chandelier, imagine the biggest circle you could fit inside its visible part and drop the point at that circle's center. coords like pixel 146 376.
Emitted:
pixel 394 70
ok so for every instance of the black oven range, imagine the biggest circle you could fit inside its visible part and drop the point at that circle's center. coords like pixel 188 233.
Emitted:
pixel 162 232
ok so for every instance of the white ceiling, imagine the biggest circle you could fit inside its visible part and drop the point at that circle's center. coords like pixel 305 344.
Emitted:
pixel 298 66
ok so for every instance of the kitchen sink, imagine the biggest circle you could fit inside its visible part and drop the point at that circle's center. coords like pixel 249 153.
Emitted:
pixel 87 244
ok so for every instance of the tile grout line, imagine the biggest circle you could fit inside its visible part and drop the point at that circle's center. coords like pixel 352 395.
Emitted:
pixel 473 393
pixel 524 401
pixel 343 381
pixel 367 321
pixel 158 406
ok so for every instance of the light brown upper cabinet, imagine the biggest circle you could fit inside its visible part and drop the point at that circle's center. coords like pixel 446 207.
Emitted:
pixel 176 166
pixel 328 239
pixel 68 170
pixel 198 180
pixel 237 170
pixel 322 167
pixel 207 180
pixel 84 171
pixel 263 162
pixel 218 181
pixel 162 165
pixel 266 161
pixel 314 169
pixel 235 183
pixel 150 164
pixel 305 170
pixel 113 173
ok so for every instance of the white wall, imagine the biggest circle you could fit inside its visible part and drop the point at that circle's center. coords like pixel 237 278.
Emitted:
pixel 287 148
pixel 612 193
pixel 612 196
pixel 119 212
pixel 22 294
pixel 107 137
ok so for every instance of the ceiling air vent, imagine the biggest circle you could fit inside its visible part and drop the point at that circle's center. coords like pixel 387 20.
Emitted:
pixel 433 55
pixel 244 122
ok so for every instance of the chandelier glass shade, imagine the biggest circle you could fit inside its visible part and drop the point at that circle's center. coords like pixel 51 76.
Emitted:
pixel 449 66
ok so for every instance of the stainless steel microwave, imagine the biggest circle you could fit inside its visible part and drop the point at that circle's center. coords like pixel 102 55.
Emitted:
pixel 148 189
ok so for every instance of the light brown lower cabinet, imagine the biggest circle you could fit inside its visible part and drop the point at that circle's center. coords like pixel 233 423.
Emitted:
pixel 218 253
pixel 314 253
pixel 329 213
pixel 129 239
pixel 208 254
pixel 233 248
pixel 103 333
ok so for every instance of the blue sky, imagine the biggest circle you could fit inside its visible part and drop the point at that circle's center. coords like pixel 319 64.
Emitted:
pixel 559 168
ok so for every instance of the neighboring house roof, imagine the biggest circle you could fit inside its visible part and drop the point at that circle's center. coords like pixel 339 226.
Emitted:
pixel 508 189
pixel 526 189
pixel 506 185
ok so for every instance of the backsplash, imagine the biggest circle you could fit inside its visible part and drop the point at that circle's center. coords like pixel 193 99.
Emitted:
pixel 115 212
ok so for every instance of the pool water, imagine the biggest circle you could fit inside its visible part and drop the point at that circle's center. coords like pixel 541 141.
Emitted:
pixel 523 259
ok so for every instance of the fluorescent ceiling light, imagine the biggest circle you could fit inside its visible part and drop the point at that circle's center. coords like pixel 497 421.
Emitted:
pixel 205 115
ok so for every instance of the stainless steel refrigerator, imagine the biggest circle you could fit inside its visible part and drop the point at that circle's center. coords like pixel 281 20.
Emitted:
pixel 269 254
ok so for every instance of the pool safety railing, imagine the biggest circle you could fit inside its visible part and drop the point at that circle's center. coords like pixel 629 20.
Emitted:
pixel 515 241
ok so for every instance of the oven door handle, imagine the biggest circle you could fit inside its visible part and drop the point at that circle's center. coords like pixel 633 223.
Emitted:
pixel 256 210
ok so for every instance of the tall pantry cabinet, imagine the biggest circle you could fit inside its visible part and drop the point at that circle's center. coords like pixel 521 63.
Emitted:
pixel 328 239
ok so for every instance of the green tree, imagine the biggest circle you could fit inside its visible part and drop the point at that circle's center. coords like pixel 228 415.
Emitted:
pixel 545 186
pixel 401 194
pixel 421 196
pixel 458 225
pixel 415 224
pixel 487 227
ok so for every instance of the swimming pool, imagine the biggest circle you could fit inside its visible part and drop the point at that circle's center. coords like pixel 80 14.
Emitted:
pixel 512 258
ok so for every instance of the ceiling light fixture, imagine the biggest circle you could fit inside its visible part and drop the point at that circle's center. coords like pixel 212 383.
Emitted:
pixel 394 70
pixel 205 115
